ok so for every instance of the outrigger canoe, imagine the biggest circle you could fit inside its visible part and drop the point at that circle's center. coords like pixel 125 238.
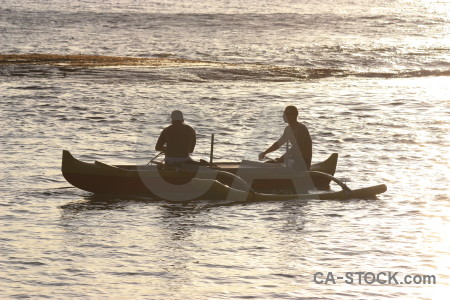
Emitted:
pixel 247 181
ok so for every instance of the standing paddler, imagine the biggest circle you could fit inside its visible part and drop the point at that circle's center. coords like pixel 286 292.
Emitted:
pixel 298 135
pixel 177 141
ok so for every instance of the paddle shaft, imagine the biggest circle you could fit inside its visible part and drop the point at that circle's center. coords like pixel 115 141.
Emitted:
pixel 151 161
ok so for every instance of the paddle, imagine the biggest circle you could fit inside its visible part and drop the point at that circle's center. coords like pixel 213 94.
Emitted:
pixel 152 160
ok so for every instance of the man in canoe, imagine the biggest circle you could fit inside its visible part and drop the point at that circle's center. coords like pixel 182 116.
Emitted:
pixel 177 141
pixel 298 135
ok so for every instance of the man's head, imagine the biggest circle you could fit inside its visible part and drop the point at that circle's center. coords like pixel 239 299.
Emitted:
pixel 177 117
pixel 290 114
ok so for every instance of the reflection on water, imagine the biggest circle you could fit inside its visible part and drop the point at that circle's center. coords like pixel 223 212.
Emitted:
pixel 157 234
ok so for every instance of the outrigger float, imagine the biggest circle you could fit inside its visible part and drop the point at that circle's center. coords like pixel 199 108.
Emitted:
pixel 248 181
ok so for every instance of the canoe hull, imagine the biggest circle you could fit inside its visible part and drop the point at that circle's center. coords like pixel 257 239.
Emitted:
pixel 99 178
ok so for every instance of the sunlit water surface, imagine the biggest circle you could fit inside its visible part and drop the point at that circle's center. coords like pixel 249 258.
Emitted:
pixel 60 242
pixel 60 239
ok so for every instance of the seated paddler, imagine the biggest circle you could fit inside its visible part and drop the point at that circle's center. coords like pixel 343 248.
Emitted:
pixel 300 153
pixel 177 141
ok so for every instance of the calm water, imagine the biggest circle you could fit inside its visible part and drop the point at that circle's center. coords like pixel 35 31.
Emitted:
pixel 372 83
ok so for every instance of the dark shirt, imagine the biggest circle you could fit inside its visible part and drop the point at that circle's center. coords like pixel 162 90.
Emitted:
pixel 300 139
pixel 179 139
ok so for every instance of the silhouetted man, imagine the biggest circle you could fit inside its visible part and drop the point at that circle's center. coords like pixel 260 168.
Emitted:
pixel 298 135
pixel 177 141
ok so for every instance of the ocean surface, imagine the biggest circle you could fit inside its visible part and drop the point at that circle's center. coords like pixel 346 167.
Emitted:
pixel 371 80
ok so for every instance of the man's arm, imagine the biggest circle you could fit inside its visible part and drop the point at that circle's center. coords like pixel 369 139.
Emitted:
pixel 194 141
pixel 275 146
pixel 161 142
pixel 281 141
